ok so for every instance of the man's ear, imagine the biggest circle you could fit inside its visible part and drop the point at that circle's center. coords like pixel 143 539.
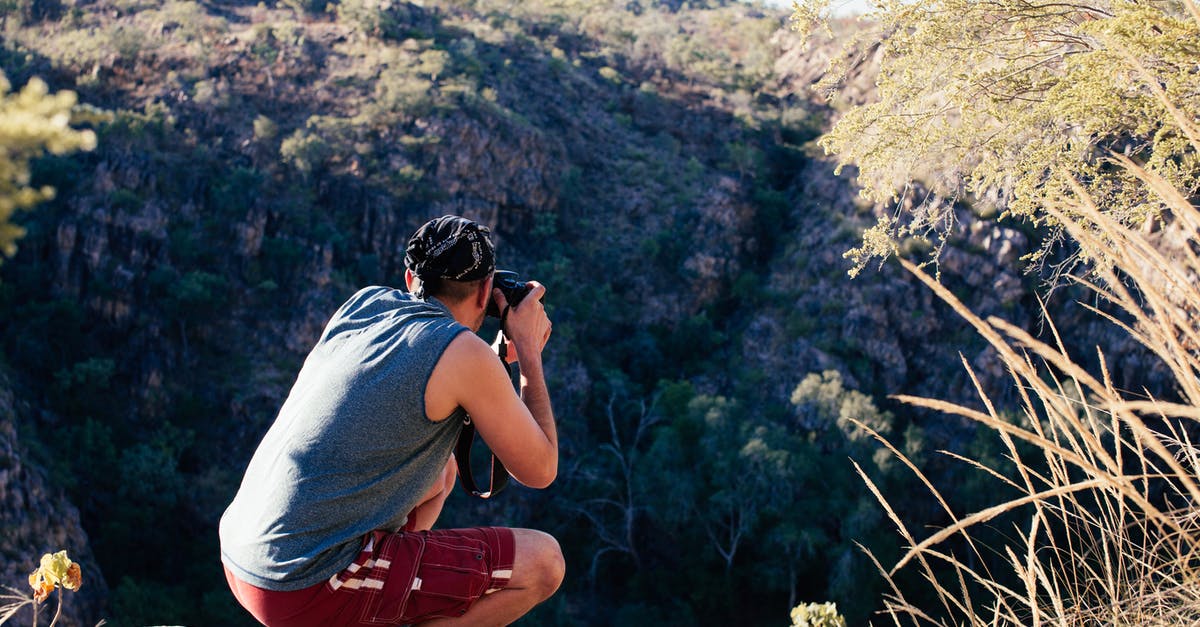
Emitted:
pixel 408 279
pixel 484 294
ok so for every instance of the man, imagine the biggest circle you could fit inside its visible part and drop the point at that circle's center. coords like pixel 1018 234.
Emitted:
pixel 332 523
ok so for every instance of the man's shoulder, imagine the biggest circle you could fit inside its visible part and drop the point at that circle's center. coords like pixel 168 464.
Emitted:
pixel 378 299
pixel 383 311
pixel 468 367
pixel 466 348
pixel 377 294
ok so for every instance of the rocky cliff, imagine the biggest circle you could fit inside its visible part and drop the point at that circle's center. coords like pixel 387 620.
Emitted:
pixel 37 518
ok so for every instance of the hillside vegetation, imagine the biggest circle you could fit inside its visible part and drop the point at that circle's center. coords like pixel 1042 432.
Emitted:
pixel 651 162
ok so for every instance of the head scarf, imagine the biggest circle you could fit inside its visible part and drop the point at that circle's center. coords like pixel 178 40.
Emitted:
pixel 452 248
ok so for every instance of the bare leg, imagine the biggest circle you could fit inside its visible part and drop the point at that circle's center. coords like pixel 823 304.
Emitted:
pixel 538 570
pixel 427 511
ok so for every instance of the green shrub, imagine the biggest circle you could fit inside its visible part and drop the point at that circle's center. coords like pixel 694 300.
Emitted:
pixel 305 151
pixel 305 6
pixel 379 18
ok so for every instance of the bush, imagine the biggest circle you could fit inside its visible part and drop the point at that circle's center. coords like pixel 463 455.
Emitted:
pixel 305 151
pixel 378 18
pixel 305 6
pixel 82 386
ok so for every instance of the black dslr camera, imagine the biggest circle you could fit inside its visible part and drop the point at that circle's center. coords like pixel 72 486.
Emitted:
pixel 513 288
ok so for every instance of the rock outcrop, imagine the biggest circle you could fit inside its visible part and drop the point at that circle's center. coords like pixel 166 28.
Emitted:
pixel 37 519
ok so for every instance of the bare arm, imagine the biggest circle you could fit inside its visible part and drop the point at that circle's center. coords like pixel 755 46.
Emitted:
pixel 519 430
pixel 529 327
pixel 536 397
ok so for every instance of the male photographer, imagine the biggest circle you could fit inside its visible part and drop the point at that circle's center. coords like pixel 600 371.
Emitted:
pixel 332 523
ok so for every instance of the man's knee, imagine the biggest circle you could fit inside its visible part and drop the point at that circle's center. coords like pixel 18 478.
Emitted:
pixel 545 560
pixel 555 566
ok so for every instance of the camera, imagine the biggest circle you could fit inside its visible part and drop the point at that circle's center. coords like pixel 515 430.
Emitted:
pixel 513 288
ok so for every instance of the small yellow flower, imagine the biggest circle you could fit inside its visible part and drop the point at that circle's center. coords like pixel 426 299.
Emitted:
pixel 55 570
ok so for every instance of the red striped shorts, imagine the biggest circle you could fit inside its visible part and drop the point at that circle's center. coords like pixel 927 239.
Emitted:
pixel 397 578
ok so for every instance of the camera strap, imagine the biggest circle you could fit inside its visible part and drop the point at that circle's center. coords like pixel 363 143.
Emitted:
pixel 462 455
pixel 466 438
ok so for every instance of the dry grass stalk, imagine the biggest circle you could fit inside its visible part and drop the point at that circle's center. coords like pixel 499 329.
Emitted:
pixel 1108 534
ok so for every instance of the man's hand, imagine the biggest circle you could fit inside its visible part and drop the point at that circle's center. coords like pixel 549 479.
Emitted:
pixel 526 326
pixel 510 350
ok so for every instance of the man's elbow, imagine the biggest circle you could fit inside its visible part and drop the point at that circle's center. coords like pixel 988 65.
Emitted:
pixel 544 476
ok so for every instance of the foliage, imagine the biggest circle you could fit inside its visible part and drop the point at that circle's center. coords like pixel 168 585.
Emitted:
pixel 32 122
pixel 1102 526
pixel 79 385
pixel 742 508
pixel 146 602
pixel 384 19
pixel 823 402
pixel 1011 105
pixel 265 128
pixel 305 6
pixel 304 151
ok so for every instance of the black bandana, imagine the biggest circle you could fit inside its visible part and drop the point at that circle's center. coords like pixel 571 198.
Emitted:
pixel 451 248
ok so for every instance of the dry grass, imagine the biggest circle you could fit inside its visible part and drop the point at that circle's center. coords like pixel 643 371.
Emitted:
pixel 1109 529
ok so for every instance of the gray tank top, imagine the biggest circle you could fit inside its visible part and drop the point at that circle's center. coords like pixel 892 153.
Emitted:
pixel 352 449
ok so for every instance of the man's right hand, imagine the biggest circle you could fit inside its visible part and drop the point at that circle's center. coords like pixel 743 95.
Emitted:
pixel 527 326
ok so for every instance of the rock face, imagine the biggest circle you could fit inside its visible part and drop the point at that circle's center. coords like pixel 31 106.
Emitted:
pixel 35 520
pixel 883 325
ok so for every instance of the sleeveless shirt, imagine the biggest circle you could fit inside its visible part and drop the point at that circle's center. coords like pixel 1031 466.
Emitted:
pixel 351 450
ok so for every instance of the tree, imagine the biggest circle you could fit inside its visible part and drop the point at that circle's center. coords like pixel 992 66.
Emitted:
pixel 32 122
pixel 838 426
pixel 618 480
pixel 782 495
pixel 1011 103
pixel 725 500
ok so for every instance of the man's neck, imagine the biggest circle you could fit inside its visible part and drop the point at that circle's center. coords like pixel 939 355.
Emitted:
pixel 464 313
